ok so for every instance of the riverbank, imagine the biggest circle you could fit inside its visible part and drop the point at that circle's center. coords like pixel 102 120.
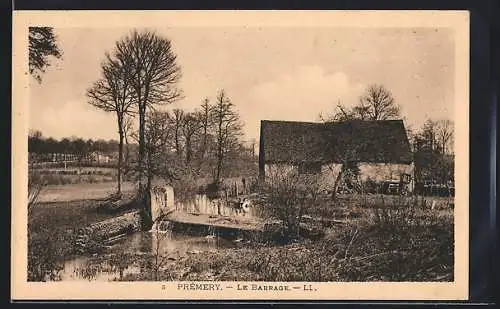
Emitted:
pixel 362 242
pixel 350 252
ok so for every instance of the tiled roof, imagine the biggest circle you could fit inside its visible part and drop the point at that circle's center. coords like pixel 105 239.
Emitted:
pixel 381 141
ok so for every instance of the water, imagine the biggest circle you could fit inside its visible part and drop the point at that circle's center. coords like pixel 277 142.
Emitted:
pixel 160 241
pixel 111 266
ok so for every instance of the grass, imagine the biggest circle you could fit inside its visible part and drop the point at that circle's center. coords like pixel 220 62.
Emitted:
pixel 51 233
pixel 81 191
pixel 61 210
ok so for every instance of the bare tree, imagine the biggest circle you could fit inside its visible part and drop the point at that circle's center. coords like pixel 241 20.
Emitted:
pixel 177 120
pixel 206 122
pixel 432 146
pixel 228 128
pixel 190 129
pixel 288 197
pixel 35 186
pixel 128 128
pixel 112 93
pixel 154 77
pixel 445 135
pixel 377 104
pixel 157 134
pixel 42 46
pixel 343 114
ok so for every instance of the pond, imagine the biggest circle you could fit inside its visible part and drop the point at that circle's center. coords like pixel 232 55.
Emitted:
pixel 160 240
pixel 113 265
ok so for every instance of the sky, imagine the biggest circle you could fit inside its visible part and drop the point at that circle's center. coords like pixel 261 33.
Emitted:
pixel 270 73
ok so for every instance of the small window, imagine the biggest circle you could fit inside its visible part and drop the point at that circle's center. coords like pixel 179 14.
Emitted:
pixel 309 168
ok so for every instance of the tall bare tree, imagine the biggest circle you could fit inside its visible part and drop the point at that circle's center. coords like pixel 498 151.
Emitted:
pixel 177 121
pixel 158 132
pixel 206 121
pixel 433 144
pixel 154 77
pixel 113 93
pixel 228 128
pixel 377 103
pixel 190 128
pixel 128 127
pixel 42 45
pixel 445 135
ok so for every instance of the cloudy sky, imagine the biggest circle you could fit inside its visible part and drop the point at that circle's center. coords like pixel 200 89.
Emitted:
pixel 269 73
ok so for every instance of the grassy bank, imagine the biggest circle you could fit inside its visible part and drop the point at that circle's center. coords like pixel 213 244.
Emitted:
pixel 81 191
pixel 52 225
pixel 380 238
pixel 378 245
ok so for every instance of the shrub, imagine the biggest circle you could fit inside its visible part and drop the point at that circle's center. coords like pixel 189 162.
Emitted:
pixel 288 196
pixel 45 258
pixel 370 186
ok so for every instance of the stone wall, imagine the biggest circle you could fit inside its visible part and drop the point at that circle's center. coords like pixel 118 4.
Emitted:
pixel 374 171
pixel 162 201
pixel 97 235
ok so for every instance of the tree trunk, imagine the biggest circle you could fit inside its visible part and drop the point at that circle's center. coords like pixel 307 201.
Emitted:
pixel 219 167
pixel 143 188
pixel 336 184
pixel 188 151
pixel 120 161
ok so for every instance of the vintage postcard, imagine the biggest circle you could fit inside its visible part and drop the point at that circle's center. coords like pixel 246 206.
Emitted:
pixel 251 155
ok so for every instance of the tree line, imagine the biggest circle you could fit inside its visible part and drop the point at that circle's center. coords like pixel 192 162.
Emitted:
pixel 38 144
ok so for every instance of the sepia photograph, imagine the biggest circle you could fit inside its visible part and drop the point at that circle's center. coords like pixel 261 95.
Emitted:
pixel 247 155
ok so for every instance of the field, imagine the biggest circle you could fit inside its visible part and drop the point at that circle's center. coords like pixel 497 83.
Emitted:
pixel 61 210
pixel 75 175
pixel 378 238
pixel 80 191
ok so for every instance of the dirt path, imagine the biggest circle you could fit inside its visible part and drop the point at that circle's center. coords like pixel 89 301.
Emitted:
pixel 83 191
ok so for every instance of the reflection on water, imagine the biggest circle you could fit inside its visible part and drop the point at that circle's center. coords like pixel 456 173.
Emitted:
pixel 201 204
pixel 117 263
pixel 115 266
pixel 83 269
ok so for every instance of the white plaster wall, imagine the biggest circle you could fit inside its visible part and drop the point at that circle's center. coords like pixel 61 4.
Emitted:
pixel 384 171
pixel 279 170
pixel 329 172
pixel 162 200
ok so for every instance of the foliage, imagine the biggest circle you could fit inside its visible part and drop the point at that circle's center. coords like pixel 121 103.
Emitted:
pixel 38 145
pixel 45 258
pixel 42 46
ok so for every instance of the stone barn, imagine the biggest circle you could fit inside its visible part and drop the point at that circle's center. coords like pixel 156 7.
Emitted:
pixel 380 150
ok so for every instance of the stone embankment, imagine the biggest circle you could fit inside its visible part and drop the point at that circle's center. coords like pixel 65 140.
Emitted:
pixel 98 235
